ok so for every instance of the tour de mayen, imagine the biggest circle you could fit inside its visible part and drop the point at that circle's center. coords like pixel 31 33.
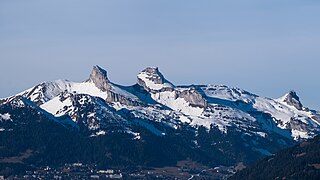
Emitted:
pixel 170 89
pixel 153 129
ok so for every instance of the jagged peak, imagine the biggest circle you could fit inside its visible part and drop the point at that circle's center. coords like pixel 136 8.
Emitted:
pixel 152 79
pixel 99 77
pixel 292 99
pixel 99 69
pixel 291 95
pixel 152 69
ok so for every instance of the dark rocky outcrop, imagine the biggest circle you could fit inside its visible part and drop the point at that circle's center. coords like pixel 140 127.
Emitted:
pixel 292 99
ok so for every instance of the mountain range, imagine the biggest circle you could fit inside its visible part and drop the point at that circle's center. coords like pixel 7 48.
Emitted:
pixel 152 123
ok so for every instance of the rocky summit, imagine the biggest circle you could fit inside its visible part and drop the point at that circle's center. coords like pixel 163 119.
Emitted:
pixel 291 98
pixel 151 124
pixel 100 78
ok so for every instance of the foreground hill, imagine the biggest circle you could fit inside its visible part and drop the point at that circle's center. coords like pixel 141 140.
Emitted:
pixel 299 162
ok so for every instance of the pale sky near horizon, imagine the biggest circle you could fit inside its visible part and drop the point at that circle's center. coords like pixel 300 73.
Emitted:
pixel 265 47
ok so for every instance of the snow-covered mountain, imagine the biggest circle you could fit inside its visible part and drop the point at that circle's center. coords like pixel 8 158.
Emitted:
pixel 98 107
pixel 154 98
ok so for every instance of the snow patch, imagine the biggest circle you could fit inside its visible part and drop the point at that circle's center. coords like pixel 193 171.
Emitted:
pixel 136 135
pixel 262 134
pixel 227 93
pixel 91 115
pixel 55 105
pixel 299 134
pixel 99 133
pixel 6 117
pixel 168 98
pixel 184 119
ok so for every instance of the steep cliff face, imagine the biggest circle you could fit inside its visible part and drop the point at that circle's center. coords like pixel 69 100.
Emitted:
pixel 99 77
pixel 113 92
pixel 113 97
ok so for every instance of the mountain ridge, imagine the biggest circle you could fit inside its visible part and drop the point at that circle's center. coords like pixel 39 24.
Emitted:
pixel 194 100
pixel 197 121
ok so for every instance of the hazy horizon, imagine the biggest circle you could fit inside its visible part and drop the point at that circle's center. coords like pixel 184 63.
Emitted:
pixel 267 48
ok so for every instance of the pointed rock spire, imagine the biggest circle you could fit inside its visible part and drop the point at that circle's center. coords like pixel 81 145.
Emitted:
pixel 292 99
pixel 99 77
pixel 152 79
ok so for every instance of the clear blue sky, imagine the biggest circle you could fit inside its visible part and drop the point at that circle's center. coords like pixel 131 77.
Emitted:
pixel 264 46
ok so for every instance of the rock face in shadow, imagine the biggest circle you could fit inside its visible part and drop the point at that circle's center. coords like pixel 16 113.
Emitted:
pixel 116 97
pixel 100 78
pixel 292 99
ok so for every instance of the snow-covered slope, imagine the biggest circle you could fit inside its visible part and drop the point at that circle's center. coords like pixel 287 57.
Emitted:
pixel 155 100
pixel 46 91
pixel 284 114
pixel 91 112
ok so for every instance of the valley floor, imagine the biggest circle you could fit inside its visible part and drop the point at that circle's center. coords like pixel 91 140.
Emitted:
pixel 183 170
